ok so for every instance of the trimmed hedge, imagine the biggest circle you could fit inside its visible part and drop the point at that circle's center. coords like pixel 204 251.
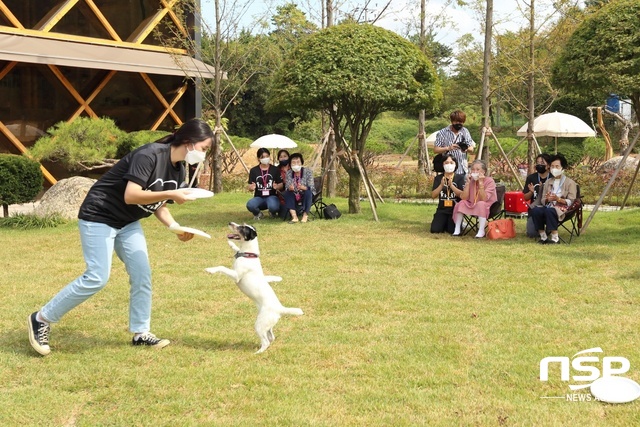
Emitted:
pixel 20 179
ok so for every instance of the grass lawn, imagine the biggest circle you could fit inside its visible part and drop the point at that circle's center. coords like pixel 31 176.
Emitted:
pixel 401 327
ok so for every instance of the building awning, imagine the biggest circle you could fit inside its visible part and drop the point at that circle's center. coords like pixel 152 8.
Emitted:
pixel 36 50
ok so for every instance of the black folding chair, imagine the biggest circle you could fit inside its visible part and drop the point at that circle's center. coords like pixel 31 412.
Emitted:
pixel 572 221
pixel 318 205
pixel 495 212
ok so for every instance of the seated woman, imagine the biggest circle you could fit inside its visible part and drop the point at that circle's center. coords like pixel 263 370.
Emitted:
pixel 476 199
pixel 283 167
pixel 448 188
pixel 264 180
pixel 299 185
pixel 557 196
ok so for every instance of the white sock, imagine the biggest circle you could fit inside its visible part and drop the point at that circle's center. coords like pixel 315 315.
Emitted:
pixel 543 236
pixel 554 237
pixel 481 224
pixel 458 223
pixel 40 319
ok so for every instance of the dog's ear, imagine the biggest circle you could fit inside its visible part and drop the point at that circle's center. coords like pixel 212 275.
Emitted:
pixel 250 233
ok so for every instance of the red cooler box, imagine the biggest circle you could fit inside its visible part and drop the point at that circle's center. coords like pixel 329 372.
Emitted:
pixel 514 202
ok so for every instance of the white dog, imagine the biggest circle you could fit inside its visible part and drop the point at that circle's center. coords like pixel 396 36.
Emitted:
pixel 248 275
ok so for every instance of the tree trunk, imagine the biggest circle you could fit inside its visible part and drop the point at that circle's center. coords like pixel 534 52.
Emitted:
pixel 355 181
pixel 216 147
pixel 423 161
pixel 531 151
pixel 423 158
pixel 486 71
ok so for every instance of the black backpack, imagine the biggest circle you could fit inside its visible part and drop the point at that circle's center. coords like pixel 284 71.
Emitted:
pixel 331 212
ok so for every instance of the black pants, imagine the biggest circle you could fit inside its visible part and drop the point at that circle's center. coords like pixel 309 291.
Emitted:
pixel 542 216
pixel 442 223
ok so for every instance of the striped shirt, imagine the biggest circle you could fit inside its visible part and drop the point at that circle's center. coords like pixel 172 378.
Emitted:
pixel 446 138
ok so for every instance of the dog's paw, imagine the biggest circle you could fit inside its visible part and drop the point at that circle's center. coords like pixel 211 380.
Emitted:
pixel 273 278
pixel 212 270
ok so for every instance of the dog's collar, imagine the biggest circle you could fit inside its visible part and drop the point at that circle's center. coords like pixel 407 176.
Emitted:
pixel 245 255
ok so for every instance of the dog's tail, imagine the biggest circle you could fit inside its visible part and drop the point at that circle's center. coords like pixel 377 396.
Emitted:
pixel 291 311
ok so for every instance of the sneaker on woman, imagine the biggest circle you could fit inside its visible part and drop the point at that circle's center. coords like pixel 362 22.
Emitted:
pixel 150 340
pixel 38 334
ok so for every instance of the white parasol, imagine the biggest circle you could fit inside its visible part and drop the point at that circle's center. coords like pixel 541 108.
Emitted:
pixel 273 141
pixel 558 125
pixel 431 139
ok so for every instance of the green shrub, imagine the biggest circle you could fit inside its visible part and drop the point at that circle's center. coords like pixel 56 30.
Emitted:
pixel 20 179
pixel 507 145
pixel 594 148
pixel 31 221
pixel 571 151
pixel 81 144
pixel 133 140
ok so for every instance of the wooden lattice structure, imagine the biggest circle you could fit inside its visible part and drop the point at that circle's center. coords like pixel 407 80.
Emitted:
pixel 62 59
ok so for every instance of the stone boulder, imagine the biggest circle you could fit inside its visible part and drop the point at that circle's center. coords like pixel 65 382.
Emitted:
pixel 612 164
pixel 65 197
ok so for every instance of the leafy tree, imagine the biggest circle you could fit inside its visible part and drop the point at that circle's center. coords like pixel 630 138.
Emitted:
pixel 247 115
pixel 355 72
pixel 603 54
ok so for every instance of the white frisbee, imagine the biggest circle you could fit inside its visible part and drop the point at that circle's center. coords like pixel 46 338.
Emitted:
pixel 615 389
pixel 198 193
pixel 194 231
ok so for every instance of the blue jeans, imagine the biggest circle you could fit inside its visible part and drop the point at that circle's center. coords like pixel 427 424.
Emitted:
pixel 542 216
pixel 305 202
pixel 98 243
pixel 257 204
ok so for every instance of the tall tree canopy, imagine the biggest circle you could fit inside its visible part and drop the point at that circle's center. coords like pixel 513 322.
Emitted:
pixel 355 72
pixel 603 55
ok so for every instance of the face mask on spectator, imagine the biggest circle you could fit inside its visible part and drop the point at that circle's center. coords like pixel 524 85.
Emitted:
pixel 556 172
pixel 457 126
pixel 449 167
pixel 265 160
pixel 296 168
pixel 541 168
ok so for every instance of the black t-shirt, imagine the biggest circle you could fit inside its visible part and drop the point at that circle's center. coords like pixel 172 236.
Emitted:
pixel 538 185
pixel 264 180
pixel 150 167
pixel 446 193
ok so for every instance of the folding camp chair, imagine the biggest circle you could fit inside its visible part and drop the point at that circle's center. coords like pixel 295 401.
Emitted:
pixel 495 212
pixel 318 204
pixel 572 222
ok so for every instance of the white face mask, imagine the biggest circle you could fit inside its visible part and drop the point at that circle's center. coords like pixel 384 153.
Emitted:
pixel 265 160
pixel 475 176
pixel 194 156
pixel 296 168
pixel 449 167
pixel 556 172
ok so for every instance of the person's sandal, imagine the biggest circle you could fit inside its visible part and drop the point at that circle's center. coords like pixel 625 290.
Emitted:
pixel 294 221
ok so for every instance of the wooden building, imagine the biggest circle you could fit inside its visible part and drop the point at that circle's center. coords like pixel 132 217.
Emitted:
pixel 62 59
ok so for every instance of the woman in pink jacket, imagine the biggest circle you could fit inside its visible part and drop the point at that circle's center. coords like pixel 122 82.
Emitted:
pixel 476 199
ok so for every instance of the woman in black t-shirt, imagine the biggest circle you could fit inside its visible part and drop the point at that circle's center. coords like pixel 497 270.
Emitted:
pixel 264 181
pixel 139 185
pixel 447 187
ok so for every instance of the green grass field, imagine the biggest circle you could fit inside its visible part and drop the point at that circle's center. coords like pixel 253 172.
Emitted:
pixel 401 327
